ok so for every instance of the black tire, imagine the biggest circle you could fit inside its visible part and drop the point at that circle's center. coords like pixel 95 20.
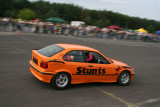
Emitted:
pixel 61 83
pixel 124 78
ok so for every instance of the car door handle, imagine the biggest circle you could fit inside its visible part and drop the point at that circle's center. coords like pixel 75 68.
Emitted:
pixel 90 66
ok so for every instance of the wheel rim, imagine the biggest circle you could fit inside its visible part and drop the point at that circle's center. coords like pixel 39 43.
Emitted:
pixel 61 80
pixel 125 78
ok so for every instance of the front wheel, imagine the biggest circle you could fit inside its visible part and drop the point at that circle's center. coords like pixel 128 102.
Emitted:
pixel 124 78
pixel 61 81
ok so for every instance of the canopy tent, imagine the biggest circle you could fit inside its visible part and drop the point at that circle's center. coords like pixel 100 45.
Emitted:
pixel 158 32
pixel 55 19
pixel 114 27
pixel 131 30
pixel 35 20
pixel 142 30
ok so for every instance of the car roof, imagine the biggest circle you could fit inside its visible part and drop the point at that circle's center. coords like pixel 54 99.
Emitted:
pixel 76 47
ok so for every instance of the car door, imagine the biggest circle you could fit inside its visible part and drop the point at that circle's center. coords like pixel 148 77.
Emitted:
pixel 105 70
pixel 75 64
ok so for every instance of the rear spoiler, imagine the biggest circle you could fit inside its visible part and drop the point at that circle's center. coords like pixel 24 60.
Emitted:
pixel 36 48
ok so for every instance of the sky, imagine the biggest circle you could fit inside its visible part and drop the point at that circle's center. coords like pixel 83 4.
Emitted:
pixel 149 9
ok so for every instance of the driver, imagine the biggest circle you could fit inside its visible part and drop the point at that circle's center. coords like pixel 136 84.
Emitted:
pixel 89 57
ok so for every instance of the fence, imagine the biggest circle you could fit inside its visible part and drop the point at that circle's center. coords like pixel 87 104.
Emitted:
pixel 75 31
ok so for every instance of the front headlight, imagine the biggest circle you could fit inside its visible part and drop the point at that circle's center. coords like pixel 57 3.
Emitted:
pixel 133 71
pixel 127 67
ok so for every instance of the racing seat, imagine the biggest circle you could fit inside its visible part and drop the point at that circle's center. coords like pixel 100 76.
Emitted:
pixel 78 58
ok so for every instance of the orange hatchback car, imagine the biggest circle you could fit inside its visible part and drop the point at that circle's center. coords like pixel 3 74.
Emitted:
pixel 65 64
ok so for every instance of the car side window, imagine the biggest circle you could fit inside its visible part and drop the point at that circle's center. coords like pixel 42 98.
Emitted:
pixel 96 58
pixel 74 56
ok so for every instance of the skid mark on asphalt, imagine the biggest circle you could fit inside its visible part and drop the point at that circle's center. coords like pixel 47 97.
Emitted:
pixel 16 49
pixel 29 40
pixel 148 101
pixel 117 98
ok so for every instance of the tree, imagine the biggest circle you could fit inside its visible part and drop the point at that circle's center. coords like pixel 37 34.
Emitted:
pixel 51 13
pixel 26 14
pixel 70 12
pixel 9 8
pixel 151 29
pixel 87 20
pixel 106 23
pixel 5 5
pixel 103 23
pixel 41 8
pixel 20 4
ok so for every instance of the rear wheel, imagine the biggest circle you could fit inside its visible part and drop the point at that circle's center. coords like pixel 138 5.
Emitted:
pixel 124 78
pixel 61 81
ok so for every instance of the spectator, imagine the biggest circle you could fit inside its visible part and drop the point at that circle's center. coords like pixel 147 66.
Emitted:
pixel 18 28
pixel 5 22
pixel 8 24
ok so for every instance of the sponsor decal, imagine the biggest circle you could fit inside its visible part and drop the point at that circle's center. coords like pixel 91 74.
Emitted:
pixel 84 71
pixel 117 69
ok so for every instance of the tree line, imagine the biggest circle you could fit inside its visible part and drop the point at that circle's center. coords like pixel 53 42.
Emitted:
pixel 70 12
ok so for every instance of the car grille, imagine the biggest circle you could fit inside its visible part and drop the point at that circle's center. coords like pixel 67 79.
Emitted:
pixel 35 60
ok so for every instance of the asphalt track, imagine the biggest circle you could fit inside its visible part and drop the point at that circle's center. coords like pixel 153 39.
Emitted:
pixel 19 88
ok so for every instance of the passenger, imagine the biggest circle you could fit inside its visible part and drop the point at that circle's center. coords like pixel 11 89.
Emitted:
pixel 69 57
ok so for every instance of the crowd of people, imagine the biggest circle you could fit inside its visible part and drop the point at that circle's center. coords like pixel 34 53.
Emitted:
pixel 36 26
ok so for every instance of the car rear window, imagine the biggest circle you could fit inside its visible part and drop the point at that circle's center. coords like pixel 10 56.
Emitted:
pixel 50 50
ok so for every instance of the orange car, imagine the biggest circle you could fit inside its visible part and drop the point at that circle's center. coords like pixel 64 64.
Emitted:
pixel 65 64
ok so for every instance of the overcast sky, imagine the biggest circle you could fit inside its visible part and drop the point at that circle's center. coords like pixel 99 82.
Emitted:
pixel 149 9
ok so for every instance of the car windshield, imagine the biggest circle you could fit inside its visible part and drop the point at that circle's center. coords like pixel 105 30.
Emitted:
pixel 50 50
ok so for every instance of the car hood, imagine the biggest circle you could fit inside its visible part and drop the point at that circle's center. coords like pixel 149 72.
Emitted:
pixel 119 63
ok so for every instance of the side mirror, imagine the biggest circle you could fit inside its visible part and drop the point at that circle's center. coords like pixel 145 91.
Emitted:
pixel 99 61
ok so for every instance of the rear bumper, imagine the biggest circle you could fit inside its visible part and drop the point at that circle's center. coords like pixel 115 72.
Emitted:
pixel 45 77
